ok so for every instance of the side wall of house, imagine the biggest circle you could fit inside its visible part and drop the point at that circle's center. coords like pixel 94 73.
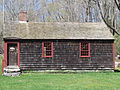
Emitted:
pixel 66 55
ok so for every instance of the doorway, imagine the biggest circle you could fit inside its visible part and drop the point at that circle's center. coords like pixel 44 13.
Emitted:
pixel 12 54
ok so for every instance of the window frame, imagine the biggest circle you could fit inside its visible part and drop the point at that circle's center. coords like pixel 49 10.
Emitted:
pixel 43 43
pixel 85 50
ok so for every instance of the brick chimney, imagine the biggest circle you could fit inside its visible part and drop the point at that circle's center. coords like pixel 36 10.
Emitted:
pixel 23 16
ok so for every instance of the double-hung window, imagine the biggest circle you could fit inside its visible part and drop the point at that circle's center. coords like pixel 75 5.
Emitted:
pixel 47 49
pixel 84 49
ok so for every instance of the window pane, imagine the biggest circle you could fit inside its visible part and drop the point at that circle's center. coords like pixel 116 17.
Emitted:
pixel 47 45
pixel 84 46
pixel 84 49
pixel 47 49
pixel 48 53
pixel 84 53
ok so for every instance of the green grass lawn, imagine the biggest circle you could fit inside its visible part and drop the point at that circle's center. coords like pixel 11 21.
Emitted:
pixel 47 81
pixel 1 57
pixel 59 81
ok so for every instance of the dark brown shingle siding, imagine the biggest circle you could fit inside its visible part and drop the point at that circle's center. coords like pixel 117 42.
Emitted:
pixel 66 56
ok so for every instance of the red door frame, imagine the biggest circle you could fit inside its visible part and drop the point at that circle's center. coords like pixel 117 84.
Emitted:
pixel 5 51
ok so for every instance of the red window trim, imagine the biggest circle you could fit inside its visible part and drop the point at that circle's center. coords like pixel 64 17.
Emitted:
pixel 87 50
pixel 43 49
pixel 5 51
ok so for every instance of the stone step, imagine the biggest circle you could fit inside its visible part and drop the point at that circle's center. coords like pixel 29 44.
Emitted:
pixel 11 74
pixel 12 67
pixel 12 71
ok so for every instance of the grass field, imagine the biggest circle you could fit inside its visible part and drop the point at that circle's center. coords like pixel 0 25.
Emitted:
pixel 59 81
pixel 1 57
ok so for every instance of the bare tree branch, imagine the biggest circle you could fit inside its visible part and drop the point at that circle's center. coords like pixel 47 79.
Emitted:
pixel 112 28
pixel 117 2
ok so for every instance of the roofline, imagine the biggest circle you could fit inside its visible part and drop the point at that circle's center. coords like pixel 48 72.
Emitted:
pixel 52 39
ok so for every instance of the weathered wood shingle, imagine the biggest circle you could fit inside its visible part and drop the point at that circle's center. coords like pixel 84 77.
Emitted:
pixel 66 56
pixel 57 30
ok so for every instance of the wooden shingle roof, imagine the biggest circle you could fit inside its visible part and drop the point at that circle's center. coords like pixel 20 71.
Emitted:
pixel 57 30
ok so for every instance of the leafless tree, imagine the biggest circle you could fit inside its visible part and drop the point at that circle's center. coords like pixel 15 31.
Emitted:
pixel 109 14
pixel 117 2
pixel 65 11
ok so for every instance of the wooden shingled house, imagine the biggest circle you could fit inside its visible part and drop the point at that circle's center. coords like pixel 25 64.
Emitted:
pixel 58 46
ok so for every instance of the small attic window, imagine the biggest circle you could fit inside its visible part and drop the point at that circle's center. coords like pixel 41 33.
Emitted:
pixel 47 49
pixel 84 49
